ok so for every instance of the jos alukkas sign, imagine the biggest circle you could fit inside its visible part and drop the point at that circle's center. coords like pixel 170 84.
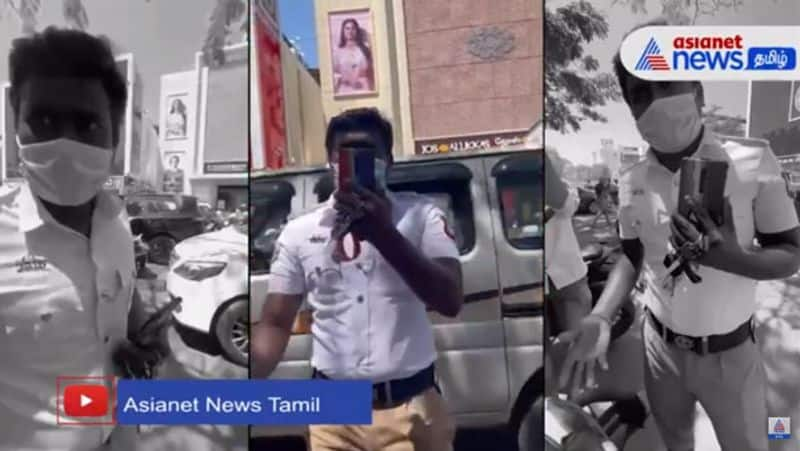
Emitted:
pixel 488 142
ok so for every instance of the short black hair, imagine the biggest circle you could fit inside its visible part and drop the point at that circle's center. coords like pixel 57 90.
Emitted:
pixel 619 69
pixel 360 119
pixel 57 52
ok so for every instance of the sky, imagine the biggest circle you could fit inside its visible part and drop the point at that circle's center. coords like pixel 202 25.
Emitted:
pixel 163 35
pixel 298 24
pixel 730 96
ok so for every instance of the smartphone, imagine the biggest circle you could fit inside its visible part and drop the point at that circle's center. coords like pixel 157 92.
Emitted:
pixel 705 180
pixel 357 167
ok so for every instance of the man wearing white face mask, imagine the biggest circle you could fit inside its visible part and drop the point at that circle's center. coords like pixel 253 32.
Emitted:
pixel 699 337
pixel 370 318
pixel 68 305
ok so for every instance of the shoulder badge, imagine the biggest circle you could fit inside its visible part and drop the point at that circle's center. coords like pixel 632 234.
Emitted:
pixel 275 254
pixel 447 230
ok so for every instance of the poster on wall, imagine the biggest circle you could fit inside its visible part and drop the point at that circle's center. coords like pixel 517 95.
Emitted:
pixel 270 91
pixel 176 119
pixel 352 55
pixel 174 164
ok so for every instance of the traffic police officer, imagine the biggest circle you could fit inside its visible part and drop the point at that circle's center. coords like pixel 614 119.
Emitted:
pixel 67 298
pixel 699 338
pixel 369 314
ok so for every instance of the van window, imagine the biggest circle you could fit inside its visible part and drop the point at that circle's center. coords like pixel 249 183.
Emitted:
pixel 521 199
pixel 162 205
pixel 445 202
pixel 448 185
pixel 271 208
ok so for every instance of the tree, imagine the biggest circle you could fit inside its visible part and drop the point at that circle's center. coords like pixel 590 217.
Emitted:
pixel 573 87
pixel 560 164
pixel 224 16
pixel 28 11
pixel 683 12
pixel 724 124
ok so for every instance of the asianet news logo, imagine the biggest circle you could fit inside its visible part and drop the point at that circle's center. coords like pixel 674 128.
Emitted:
pixel 696 53
pixel 712 53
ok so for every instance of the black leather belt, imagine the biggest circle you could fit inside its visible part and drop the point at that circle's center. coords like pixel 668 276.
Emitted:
pixel 396 392
pixel 705 345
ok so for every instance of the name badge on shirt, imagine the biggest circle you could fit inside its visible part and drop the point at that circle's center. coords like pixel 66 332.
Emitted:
pixel 31 263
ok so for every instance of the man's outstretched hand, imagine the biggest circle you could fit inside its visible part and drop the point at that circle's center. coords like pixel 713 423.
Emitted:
pixel 588 347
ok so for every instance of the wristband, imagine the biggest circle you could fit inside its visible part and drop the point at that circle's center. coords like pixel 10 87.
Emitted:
pixel 606 320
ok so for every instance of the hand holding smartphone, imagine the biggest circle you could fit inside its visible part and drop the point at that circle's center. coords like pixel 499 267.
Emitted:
pixel 357 167
pixel 703 180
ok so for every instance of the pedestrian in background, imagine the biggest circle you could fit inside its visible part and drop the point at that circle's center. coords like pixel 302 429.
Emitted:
pixel 603 202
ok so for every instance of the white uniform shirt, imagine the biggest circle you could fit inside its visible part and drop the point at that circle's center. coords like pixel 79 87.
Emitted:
pixel 563 263
pixel 64 301
pixel 760 202
pixel 367 323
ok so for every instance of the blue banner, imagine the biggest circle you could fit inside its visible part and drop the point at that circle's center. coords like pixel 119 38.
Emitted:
pixel 243 402
pixel 771 58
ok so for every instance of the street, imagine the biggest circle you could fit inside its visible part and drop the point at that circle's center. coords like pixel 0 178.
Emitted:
pixel 778 331
pixel 186 363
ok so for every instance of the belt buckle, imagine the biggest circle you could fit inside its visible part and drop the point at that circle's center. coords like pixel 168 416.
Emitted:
pixel 684 342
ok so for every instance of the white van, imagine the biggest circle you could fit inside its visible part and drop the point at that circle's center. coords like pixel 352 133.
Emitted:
pixel 495 201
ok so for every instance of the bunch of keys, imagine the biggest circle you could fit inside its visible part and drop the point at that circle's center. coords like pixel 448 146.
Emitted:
pixel 341 228
pixel 680 261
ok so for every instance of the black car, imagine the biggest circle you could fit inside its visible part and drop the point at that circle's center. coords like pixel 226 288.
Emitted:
pixel 163 220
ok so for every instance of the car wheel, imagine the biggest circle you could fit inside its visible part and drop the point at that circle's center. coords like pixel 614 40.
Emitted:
pixel 233 333
pixel 531 430
pixel 526 420
pixel 161 247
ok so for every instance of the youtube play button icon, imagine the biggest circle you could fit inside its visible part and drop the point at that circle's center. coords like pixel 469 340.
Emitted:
pixel 86 400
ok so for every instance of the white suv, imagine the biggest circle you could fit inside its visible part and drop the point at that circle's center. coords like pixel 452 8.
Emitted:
pixel 209 273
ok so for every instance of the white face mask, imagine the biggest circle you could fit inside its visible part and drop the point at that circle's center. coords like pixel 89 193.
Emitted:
pixel 670 124
pixel 65 172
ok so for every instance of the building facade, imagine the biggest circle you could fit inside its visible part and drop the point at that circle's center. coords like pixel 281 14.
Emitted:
pixel 287 120
pixel 203 130
pixel 449 78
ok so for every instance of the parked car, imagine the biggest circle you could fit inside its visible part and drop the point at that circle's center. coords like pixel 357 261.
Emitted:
pixel 163 220
pixel 495 345
pixel 209 273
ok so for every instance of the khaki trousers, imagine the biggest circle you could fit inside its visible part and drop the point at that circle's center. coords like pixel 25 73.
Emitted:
pixel 420 424
pixel 730 385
